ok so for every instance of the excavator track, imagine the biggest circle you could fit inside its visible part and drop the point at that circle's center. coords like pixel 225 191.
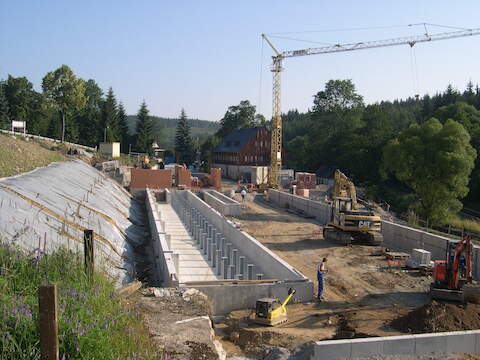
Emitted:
pixel 341 237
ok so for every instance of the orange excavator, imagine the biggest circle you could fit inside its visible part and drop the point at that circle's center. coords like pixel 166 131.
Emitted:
pixel 452 278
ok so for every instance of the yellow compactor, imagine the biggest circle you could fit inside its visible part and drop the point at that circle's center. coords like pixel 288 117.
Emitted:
pixel 351 222
pixel 272 312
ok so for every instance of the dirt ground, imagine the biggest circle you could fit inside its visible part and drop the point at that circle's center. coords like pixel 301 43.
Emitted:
pixel 363 292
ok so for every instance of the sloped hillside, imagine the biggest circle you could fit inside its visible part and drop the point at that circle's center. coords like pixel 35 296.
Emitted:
pixel 18 155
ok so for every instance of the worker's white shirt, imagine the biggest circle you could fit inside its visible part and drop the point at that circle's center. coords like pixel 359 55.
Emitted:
pixel 243 193
pixel 321 267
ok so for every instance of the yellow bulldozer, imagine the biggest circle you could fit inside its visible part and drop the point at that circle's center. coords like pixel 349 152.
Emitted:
pixel 351 222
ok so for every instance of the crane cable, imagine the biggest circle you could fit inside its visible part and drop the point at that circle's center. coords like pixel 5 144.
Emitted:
pixel 414 70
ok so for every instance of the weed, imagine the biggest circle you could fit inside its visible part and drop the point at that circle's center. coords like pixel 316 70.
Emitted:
pixel 93 322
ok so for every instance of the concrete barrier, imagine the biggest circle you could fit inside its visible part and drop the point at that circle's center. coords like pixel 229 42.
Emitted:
pixel 405 238
pixel 421 344
pixel 165 269
pixel 223 204
pixel 321 211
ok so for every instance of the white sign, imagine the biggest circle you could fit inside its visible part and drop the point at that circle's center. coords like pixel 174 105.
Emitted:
pixel 18 124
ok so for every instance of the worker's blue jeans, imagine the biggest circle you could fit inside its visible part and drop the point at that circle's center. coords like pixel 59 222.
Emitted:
pixel 320 284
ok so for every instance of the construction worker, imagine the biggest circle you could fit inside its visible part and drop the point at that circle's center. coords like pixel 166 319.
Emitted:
pixel 243 193
pixel 321 270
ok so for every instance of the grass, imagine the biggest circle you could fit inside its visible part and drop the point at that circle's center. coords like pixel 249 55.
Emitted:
pixel 94 323
pixel 466 224
pixel 18 155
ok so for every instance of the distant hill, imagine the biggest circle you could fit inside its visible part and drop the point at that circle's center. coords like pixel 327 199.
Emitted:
pixel 165 129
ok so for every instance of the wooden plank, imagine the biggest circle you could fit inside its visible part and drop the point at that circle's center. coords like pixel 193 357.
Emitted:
pixel 88 249
pixel 48 322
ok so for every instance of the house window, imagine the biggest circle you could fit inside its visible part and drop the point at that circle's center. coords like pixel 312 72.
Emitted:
pixel 236 143
pixel 229 143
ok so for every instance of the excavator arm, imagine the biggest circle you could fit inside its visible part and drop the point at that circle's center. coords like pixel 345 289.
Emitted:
pixel 465 245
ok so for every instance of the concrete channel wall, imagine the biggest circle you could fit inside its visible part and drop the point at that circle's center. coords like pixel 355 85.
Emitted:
pixel 232 294
pixel 405 238
pixel 265 261
pixel 321 211
pixel 421 344
pixel 164 261
pixel 223 204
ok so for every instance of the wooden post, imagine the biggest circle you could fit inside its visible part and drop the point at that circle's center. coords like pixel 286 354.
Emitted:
pixel 88 252
pixel 48 309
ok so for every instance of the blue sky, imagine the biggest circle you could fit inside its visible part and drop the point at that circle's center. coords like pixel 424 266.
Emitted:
pixel 206 55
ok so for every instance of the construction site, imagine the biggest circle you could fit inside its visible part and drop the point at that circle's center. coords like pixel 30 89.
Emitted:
pixel 228 264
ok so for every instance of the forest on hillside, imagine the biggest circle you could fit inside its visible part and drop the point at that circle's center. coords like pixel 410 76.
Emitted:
pixel 418 153
pixel 79 111
pixel 164 129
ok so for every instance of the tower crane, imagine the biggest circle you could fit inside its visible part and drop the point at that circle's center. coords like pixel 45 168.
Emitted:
pixel 277 68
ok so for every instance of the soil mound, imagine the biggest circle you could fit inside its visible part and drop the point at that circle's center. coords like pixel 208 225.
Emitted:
pixel 438 317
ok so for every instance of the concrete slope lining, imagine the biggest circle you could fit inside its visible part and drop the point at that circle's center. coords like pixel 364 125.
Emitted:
pixel 51 206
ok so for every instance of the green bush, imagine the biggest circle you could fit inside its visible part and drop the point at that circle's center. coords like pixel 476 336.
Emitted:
pixel 94 323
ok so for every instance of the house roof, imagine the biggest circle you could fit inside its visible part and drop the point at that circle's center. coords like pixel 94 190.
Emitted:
pixel 326 171
pixel 234 141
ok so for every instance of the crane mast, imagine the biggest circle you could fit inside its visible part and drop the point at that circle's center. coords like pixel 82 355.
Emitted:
pixel 277 68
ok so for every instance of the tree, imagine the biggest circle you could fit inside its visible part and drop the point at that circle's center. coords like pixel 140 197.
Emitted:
pixel 89 119
pixel 109 125
pixel 469 117
pixel 237 117
pixel 4 110
pixel 435 161
pixel 144 129
pixel 338 108
pixel 184 149
pixel 123 128
pixel 19 92
pixel 67 94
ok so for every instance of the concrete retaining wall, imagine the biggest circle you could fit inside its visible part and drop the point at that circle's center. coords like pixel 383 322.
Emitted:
pixel 442 343
pixel 223 204
pixel 164 258
pixel 226 298
pixel 321 211
pixel 265 261
pixel 405 238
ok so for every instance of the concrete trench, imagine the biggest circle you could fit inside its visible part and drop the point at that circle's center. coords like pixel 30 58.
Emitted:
pixel 196 246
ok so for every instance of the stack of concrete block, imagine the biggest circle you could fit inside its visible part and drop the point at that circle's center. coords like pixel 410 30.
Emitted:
pixel 306 180
pixel 303 192
pixel 216 177
pixel 423 257
pixel 183 176
pixel 420 257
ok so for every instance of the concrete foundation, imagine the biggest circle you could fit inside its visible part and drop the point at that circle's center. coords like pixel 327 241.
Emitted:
pixel 422 344
pixel 223 204
pixel 321 211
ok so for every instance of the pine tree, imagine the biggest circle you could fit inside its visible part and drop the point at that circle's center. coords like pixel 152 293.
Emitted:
pixel 184 150
pixel 4 117
pixel 123 128
pixel 109 126
pixel 144 130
